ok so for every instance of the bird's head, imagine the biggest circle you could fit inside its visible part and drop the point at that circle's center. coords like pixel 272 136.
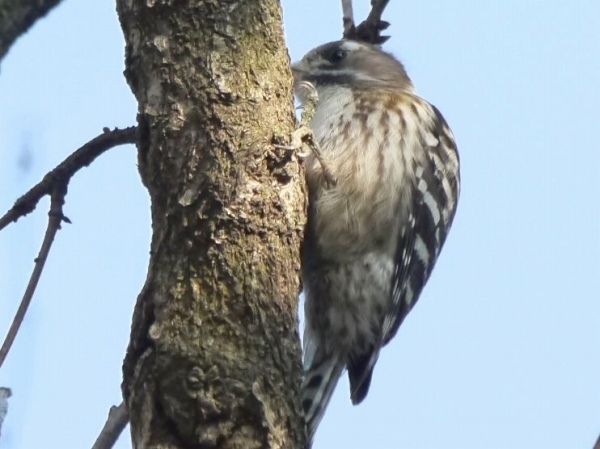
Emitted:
pixel 350 64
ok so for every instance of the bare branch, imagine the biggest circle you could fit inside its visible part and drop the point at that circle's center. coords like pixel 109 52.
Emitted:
pixel 61 175
pixel 377 8
pixel 597 445
pixel 55 218
pixel 370 29
pixel 115 423
pixel 348 17
pixel 55 184
pixel 17 16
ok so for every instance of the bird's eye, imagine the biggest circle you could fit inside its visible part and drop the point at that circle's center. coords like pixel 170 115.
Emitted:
pixel 337 55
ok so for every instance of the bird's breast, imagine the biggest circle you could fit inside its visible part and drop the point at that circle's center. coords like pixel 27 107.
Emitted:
pixel 360 144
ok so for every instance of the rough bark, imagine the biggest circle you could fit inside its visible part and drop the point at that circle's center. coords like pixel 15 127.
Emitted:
pixel 214 356
pixel 17 16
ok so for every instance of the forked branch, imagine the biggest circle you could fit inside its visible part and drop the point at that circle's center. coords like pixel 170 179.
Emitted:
pixel 370 29
pixel 55 184
pixel 63 172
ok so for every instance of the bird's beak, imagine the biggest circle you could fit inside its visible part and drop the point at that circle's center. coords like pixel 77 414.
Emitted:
pixel 298 69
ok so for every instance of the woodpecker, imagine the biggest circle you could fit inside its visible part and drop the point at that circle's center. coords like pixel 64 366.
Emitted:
pixel 373 235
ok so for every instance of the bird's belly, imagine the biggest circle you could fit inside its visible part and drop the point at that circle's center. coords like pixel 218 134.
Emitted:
pixel 349 222
pixel 346 301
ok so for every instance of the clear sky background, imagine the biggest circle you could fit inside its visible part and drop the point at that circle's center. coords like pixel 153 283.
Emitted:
pixel 503 349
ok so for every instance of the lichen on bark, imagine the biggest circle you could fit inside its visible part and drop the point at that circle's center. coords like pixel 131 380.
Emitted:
pixel 214 357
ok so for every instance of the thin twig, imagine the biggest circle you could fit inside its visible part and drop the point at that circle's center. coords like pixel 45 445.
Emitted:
pixel 63 172
pixel 370 29
pixel 55 218
pixel 348 16
pixel 55 184
pixel 377 8
pixel 114 425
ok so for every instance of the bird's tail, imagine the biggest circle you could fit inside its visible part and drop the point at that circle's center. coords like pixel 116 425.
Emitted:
pixel 320 379
pixel 360 371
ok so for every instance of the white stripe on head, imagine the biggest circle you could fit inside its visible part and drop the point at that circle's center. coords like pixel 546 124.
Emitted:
pixel 351 45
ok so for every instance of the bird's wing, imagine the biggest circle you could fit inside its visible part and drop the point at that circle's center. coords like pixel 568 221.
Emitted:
pixel 435 195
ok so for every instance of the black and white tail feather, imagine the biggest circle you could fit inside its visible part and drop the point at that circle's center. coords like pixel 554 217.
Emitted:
pixel 318 385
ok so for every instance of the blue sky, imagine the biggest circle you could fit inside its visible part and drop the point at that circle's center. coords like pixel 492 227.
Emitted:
pixel 503 349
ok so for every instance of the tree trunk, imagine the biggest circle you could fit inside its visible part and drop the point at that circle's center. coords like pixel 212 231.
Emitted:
pixel 214 357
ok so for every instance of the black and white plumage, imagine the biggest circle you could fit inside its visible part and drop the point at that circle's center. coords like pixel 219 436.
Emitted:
pixel 374 234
